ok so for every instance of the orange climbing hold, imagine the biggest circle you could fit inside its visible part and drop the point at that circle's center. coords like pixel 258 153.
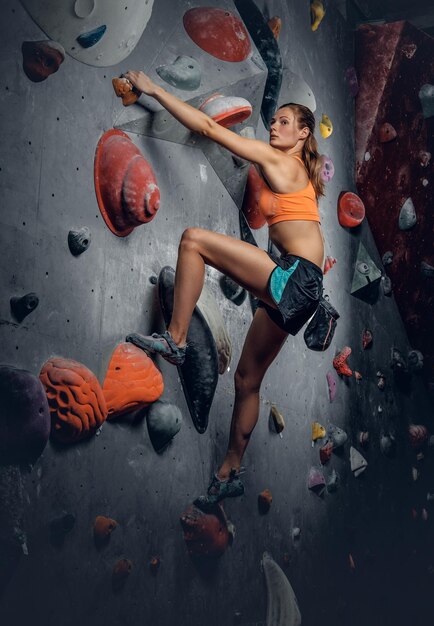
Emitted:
pixel 351 210
pixel 121 571
pixel 125 185
pixel 206 534
pixel 275 25
pixel 250 208
pixel 340 362
pixel 103 528
pixel 125 90
pixel 132 380
pixel 264 501
pixel 76 401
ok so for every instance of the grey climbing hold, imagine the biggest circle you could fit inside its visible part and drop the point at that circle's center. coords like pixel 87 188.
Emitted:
pixel 61 526
pixel 332 482
pixel 381 380
pixel 184 73
pixel 232 290
pixel 407 215
pixel 387 258
pixel 282 605
pixel 387 444
pixel 386 285
pixel 366 275
pixel 415 360
pixel 426 270
pixel 357 461
pixel 23 306
pixel 397 362
pixel 164 422
pixel 79 240
pixel 336 435
pixel 426 97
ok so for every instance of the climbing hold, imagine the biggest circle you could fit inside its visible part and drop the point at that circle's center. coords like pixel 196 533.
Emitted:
pixel 387 258
pixel 218 32
pixel 282 605
pixel 84 8
pixel 418 435
pixel 386 133
pixel 125 185
pixel 426 97
pixel 327 168
pixel 407 215
pixel 328 263
pixel 387 444
pixel 275 25
pixel 357 461
pixel 420 456
pixel 317 13
pixel 60 527
pixel 424 158
pixel 336 435
pixel 318 431
pixel 125 90
pixel 23 306
pixel 367 339
pixel 381 380
pixel 409 50
pixel 331 382
pixel 397 362
pixel 210 309
pixel 276 418
pixel 254 188
pixel 325 452
pixel 352 82
pixel 363 437
pixel 41 58
pixel 386 285
pixel 121 571
pixel 24 416
pixel 206 534
pixel 366 275
pixel 132 381
pixel 102 529
pixel 226 110
pixel 340 362
pixel 424 514
pixel 332 482
pixel 325 126
pixel 367 156
pixel 76 400
pixel 89 39
pixel 296 532
pixel 357 375
pixel 414 473
pixel 199 372
pixel 268 48
pixel 184 73
pixel 164 421
pixel 79 240
pixel 415 360
pixel 316 481
pixel 264 501
pixel 351 210
pixel 426 270
pixel 154 564
pixel 232 290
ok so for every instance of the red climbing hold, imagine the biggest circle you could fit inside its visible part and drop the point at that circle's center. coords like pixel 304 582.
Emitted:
pixel 351 210
pixel 340 362
pixel 41 58
pixel 386 132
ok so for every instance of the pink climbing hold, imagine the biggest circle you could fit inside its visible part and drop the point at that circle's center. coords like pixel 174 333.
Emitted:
pixel 418 435
pixel 331 381
pixel 316 481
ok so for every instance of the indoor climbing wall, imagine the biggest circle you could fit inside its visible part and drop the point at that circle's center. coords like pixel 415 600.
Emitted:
pixel 103 449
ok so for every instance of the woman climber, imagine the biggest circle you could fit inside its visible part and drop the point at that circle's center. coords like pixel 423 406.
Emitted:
pixel 288 287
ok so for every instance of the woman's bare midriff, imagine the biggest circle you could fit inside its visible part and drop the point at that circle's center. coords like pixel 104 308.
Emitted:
pixel 301 237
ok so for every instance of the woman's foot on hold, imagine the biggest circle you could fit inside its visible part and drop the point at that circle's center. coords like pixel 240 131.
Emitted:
pixel 219 489
pixel 163 345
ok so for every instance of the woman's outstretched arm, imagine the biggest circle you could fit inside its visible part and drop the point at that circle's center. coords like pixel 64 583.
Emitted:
pixel 197 121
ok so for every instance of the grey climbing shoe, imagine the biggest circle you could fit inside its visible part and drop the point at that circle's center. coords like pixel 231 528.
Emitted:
pixel 159 344
pixel 218 490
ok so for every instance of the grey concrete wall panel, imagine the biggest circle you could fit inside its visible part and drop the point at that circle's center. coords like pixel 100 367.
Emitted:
pixel 106 293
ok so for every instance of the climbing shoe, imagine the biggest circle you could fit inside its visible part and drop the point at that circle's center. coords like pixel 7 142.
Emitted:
pixel 220 489
pixel 159 344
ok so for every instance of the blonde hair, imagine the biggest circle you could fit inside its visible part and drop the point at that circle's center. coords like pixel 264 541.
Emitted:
pixel 310 154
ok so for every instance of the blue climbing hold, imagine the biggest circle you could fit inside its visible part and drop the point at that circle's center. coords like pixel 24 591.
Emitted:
pixel 87 40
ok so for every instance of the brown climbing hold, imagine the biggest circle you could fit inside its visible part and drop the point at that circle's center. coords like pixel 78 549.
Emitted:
pixel 264 501
pixel 351 210
pixel 76 401
pixel 125 90
pixel 340 362
pixel 367 339
pixel 277 419
pixel 275 25
pixel 103 528
pixel 206 534
pixel 154 564
pixel 418 435
pixel 41 58
pixel 132 380
pixel 386 132
pixel 121 571
pixel 125 185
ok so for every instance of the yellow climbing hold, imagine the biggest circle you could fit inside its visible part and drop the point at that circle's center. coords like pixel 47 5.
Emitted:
pixel 317 12
pixel 325 126
pixel 318 431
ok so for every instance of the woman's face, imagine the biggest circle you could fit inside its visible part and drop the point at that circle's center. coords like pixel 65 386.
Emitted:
pixel 284 131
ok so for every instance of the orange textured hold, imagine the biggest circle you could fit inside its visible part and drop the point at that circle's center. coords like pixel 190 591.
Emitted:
pixel 386 132
pixel 132 380
pixel 125 185
pixel 250 208
pixel 124 89
pixel 103 527
pixel 264 501
pixel 275 25
pixel 121 571
pixel 340 362
pixel 351 210
pixel 76 401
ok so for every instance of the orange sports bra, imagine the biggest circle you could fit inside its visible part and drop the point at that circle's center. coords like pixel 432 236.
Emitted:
pixel 281 207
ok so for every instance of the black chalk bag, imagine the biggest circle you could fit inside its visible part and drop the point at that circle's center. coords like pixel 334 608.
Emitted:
pixel 321 328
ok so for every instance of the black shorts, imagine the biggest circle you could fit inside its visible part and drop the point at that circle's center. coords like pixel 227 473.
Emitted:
pixel 295 286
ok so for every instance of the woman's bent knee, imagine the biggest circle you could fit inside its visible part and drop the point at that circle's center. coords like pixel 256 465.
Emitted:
pixel 246 383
